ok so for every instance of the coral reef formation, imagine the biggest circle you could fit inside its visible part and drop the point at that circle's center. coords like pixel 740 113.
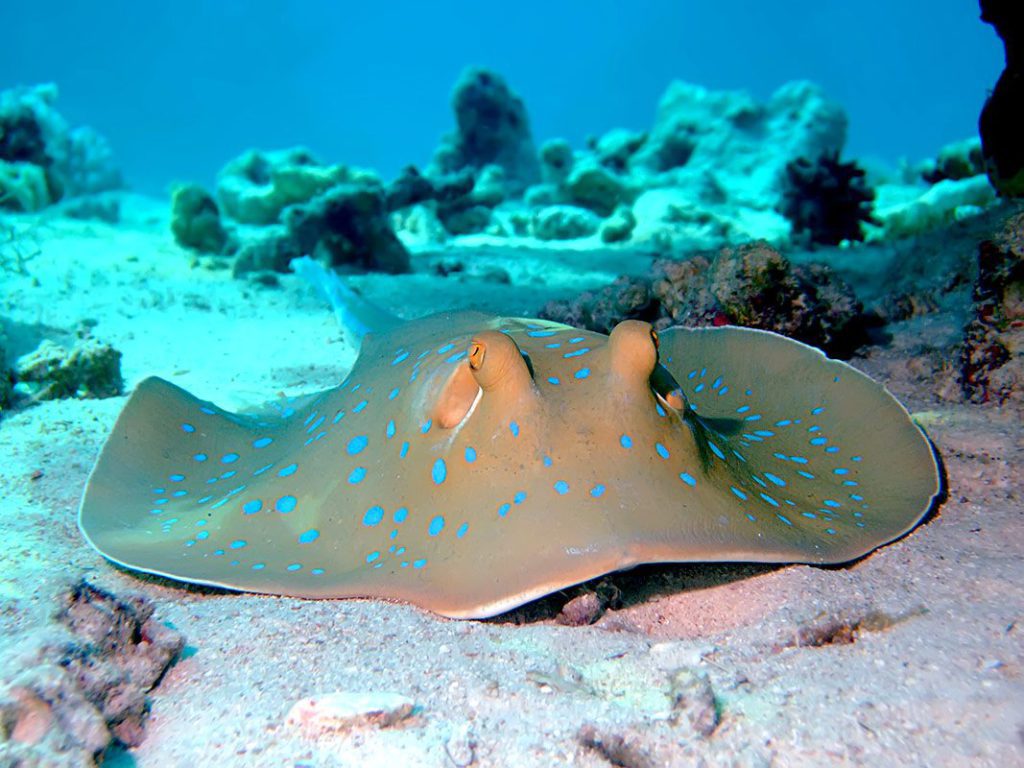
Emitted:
pixel 195 220
pixel 1000 123
pixel 492 129
pixel 752 286
pixel 90 369
pixel 992 364
pixel 78 688
pixel 43 159
pixel 826 200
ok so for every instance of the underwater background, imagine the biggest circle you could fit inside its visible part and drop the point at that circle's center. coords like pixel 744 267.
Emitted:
pixel 205 207
pixel 179 88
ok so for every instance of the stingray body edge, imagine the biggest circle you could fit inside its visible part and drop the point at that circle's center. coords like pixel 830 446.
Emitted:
pixel 470 463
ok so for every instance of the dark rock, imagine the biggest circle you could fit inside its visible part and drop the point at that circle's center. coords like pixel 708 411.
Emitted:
pixel 409 188
pixel 349 226
pixel 493 128
pixel 195 220
pixel 992 366
pixel 752 286
pixel 1000 124
pixel 564 222
pixel 90 369
pixel 827 200
pixel 82 688
pixel 693 702
pixel 272 250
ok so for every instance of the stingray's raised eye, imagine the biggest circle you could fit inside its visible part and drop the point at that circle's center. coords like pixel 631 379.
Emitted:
pixel 477 352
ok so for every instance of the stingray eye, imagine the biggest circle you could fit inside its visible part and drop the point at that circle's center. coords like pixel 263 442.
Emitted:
pixel 477 352
pixel 654 338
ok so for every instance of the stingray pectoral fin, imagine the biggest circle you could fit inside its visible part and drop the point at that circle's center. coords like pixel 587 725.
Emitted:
pixel 810 460
pixel 175 472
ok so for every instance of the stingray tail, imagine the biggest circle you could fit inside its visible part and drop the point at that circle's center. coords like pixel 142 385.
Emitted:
pixel 355 314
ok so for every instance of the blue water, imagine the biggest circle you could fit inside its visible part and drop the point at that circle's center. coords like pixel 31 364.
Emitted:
pixel 180 88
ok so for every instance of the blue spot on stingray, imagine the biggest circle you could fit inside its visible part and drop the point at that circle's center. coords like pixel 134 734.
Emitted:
pixel 229 458
pixel 262 442
pixel 577 353
pixel 176 478
pixel 373 516
pixel 751 518
pixel 699 387
pixel 597 491
pixel 817 410
pixel 262 469
pixel 659 409
pixel 662 450
pixel 446 348
pixel 188 428
pixel 738 492
pixel 723 390
pixel 626 441
pixel 753 417
pixel 856 497
pixel 200 457
pixel 309 536
pixel 815 428
pixel 514 428
pixel 553 380
pixel 286 471
pixel 239 544
pixel 285 504
pixel 687 478
pixel 802 473
pixel 357 444
pixel 830 531
pixel 394 393
pixel 439 472
pixel 769 499
pixel 819 440
pixel 716 450
pixel 783 519
pixel 295 567
pixel 540 334
pixel 288 412
pixel 546 461
pixel 203 535
pixel 426 427
pixel 831 503
pixel 317 571
pixel 503 509
pixel 470 454
pixel 405 449
pixel 798 459
pixel 252 507
pixel 576 339
pixel 338 416
pixel 401 514
pixel 743 409
pixel 832 449
pixel 180 493
pixel 553 345
pixel 390 431
pixel 258 566
pixel 462 530
pixel 357 475
pixel 372 556
pixel 229 474
pixel 400 358
pixel 562 487
pixel 419 563
pixel 856 458
pixel 456 357
pixel 841 471
pixel 436 525
pixel 582 373
pixel 520 497
pixel 362 404
pixel 207 410
pixel 775 479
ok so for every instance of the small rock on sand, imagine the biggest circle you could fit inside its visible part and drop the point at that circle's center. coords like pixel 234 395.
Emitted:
pixel 343 710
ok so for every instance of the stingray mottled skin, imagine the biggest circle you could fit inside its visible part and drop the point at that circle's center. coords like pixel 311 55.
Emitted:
pixel 470 463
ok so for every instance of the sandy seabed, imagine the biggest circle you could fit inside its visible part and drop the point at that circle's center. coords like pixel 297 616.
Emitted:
pixel 912 656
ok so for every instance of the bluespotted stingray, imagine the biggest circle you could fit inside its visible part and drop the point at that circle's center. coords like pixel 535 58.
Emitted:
pixel 470 463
